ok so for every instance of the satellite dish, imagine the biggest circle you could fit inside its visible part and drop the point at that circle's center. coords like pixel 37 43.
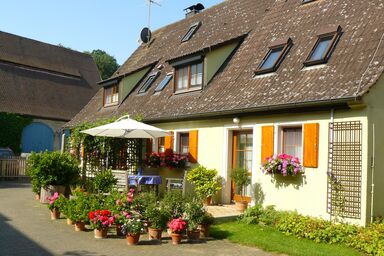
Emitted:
pixel 145 35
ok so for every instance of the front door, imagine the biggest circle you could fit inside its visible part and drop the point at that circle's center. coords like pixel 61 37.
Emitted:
pixel 242 147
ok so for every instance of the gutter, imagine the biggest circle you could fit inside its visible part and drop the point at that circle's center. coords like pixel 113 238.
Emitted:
pixel 342 102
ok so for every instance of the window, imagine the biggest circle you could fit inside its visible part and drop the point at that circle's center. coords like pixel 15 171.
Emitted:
pixel 275 56
pixel 147 84
pixel 307 1
pixel 111 95
pixel 291 141
pixel 161 145
pixel 163 83
pixel 189 77
pixel 323 48
pixel 184 143
pixel 191 31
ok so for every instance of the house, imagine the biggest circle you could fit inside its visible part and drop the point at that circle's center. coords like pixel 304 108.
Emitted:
pixel 47 83
pixel 246 79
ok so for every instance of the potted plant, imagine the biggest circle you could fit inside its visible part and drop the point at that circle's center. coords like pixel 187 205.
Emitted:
pixel 194 212
pixel 104 181
pixel 78 213
pixel 283 164
pixel 177 227
pixel 52 171
pixel 132 228
pixel 158 219
pixel 241 178
pixel 54 205
pixel 101 220
pixel 206 221
pixel 206 182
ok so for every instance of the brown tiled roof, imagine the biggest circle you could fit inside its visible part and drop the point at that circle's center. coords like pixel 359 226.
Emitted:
pixel 44 80
pixel 349 73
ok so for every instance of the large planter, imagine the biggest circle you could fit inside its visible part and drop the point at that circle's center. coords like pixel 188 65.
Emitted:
pixel 193 235
pixel 133 239
pixel 176 238
pixel 101 233
pixel 204 230
pixel 80 226
pixel 49 191
pixel 154 234
pixel 55 214
pixel 241 206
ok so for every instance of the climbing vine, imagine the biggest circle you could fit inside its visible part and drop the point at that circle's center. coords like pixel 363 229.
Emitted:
pixel 11 130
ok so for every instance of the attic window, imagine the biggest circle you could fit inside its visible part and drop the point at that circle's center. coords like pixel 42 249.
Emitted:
pixel 326 42
pixel 111 95
pixel 147 84
pixel 164 83
pixel 189 77
pixel 277 51
pixel 191 31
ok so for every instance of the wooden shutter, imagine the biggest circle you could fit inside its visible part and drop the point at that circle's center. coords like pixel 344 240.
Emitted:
pixel 267 142
pixel 149 143
pixel 168 144
pixel 311 145
pixel 193 145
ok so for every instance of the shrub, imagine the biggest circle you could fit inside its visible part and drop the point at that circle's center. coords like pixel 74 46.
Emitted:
pixel 206 181
pixel 241 179
pixel 79 207
pixel 143 201
pixel 194 213
pixel 158 217
pixel 104 181
pixel 173 202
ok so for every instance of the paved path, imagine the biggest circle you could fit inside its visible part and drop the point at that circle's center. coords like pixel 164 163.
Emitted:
pixel 25 229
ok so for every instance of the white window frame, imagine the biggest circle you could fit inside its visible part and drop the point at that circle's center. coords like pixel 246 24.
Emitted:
pixel 278 140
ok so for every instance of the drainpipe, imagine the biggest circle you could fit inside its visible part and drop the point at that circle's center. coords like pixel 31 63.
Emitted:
pixel 62 142
pixel 372 170
pixel 331 141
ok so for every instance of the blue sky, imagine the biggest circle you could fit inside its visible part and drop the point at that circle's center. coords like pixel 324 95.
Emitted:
pixel 113 26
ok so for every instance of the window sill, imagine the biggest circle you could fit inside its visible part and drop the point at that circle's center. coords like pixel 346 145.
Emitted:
pixel 187 91
pixel 111 105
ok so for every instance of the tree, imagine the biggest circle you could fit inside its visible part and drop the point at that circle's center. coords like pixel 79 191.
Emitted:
pixel 106 63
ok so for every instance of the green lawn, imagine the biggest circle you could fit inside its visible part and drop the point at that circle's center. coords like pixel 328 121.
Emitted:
pixel 272 240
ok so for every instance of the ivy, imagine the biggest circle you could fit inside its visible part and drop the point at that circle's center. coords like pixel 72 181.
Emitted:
pixel 11 130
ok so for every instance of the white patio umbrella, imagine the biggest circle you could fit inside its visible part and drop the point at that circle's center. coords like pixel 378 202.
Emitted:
pixel 125 127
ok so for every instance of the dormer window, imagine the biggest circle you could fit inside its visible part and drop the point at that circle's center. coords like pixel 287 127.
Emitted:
pixel 326 42
pixel 276 53
pixel 189 77
pixel 164 83
pixel 147 84
pixel 111 95
pixel 191 31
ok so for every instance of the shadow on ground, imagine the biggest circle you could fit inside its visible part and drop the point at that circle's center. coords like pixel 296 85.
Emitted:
pixel 14 184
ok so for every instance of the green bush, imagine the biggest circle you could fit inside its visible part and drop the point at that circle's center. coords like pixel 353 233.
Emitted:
pixel 241 178
pixel 104 181
pixel 194 212
pixel 206 181
pixel 157 217
pixel 79 207
pixel 52 168
pixel 174 203
pixel 369 240
pixel 144 200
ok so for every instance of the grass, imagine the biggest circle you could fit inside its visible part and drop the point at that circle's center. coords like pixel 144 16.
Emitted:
pixel 272 240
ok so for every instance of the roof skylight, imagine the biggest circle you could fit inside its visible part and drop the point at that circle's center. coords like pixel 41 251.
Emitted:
pixel 191 31
pixel 147 84
pixel 164 83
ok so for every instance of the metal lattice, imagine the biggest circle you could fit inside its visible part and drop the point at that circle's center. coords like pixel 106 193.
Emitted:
pixel 345 169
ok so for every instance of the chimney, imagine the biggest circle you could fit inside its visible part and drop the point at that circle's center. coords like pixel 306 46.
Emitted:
pixel 192 10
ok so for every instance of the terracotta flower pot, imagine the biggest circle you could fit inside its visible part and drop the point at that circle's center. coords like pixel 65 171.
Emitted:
pixel 207 201
pixel 193 235
pixel 55 214
pixel 79 226
pixel 241 206
pixel 37 197
pixel 133 239
pixel 204 230
pixel 176 238
pixel 69 222
pixel 101 233
pixel 119 232
pixel 154 234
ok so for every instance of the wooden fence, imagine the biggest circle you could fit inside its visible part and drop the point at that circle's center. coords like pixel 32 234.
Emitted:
pixel 13 167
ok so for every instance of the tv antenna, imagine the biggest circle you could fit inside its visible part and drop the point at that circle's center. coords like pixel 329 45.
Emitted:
pixel 150 3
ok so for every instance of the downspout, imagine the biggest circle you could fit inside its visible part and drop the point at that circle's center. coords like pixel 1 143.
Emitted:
pixel 331 142
pixel 62 142
pixel 372 170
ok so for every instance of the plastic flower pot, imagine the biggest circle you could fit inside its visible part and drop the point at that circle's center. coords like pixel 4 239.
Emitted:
pixel 101 233
pixel 193 235
pixel 55 214
pixel 154 234
pixel 133 239
pixel 80 226
pixel 176 238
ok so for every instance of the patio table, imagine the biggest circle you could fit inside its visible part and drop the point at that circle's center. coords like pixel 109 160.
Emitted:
pixel 153 180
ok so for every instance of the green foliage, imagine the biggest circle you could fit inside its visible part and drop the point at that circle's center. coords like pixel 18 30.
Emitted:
pixel 157 217
pixel 174 203
pixel 194 212
pixel 104 181
pixel 241 178
pixel 143 201
pixel 11 129
pixel 52 168
pixel 207 219
pixel 106 63
pixel 79 207
pixel 369 240
pixel 206 181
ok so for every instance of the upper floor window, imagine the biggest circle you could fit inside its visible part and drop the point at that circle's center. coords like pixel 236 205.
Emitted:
pixel 184 143
pixel 189 77
pixel 111 95
pixel 147 84
pixel 191 31
pixel 324 46
pixel 161 145
pixel 275 56
pixel 164 83
pixel 291 141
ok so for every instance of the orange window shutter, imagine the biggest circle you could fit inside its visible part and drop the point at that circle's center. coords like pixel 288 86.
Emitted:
pixel 168 143
pixel 267 142
pixel 149 146
pixel 311 145
pixel 193 145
